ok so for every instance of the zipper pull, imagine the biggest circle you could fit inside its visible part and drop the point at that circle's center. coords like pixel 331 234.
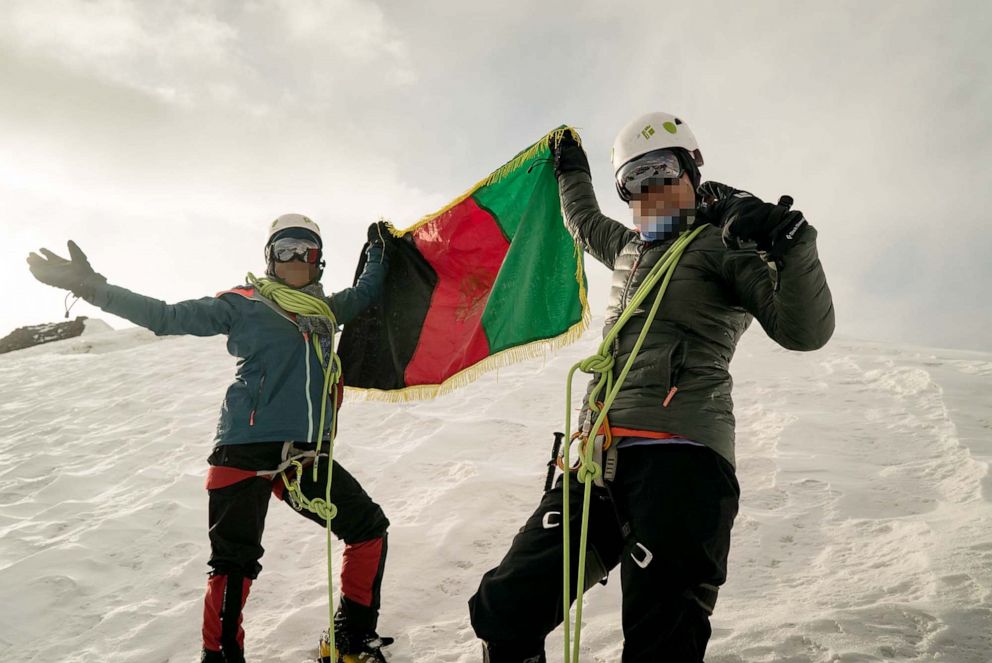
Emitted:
pixel 670 396
pixel 251 418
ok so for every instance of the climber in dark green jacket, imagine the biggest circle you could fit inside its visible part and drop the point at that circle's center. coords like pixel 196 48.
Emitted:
pixel 666 514
pixel 270 416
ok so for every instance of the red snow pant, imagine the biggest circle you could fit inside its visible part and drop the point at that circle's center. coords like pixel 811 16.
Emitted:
pixel 239 501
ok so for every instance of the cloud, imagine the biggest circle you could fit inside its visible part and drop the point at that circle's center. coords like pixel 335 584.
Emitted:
pixel 165 136
pixel 201 53
pixel 151 47
pixel 207 116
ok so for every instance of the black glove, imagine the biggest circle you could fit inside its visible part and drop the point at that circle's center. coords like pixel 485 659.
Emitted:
pixel 745 218
pixel 568 154
pixel 379 244
pixel 711 202
pixel 74 274
pixel 377 234
pixel 774 229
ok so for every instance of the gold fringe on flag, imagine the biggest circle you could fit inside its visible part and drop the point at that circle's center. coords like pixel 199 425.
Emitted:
pixel 502 359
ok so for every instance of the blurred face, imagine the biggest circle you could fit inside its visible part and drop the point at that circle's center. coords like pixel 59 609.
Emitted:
pixel 296 262
pixel 295 273
pixel 658 208
pixel 664 199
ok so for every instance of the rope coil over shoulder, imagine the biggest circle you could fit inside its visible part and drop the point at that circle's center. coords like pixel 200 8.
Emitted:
pixel 318 326
pixel 587 469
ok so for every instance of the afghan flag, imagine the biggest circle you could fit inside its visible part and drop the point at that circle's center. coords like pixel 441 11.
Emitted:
pixel 488 280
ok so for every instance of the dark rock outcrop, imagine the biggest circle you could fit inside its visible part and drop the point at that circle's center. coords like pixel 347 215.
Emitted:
pixel 28 337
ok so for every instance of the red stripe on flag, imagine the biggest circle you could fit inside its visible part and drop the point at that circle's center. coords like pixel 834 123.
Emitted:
pixel 466 248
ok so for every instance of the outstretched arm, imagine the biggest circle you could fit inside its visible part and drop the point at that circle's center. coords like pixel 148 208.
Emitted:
pixel 199 317
pixel 206 316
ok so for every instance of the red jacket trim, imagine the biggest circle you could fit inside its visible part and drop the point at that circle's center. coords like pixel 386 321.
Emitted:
pixel 633 432
pixel 244 292
pixel 219 476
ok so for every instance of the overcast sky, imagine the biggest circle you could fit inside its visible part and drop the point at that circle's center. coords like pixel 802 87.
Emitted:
pixel 164 137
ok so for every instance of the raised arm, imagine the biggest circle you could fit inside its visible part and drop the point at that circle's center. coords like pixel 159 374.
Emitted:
pixel 348 303
pixel 599 235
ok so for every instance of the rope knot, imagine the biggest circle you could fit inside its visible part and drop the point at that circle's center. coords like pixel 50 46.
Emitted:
pixel 326 510
pixel 591 470
pixel 600 363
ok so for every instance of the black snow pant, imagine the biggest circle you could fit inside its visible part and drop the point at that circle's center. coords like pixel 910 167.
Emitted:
pixel 679 502
pixel 239 502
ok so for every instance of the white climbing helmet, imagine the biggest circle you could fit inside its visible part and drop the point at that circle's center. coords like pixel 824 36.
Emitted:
pixel 650 132
pixel 293 221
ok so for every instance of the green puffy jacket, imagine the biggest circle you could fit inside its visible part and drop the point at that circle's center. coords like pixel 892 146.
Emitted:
pixel 714 294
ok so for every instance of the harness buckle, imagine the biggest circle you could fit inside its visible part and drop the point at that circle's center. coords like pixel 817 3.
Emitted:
pixel 645 558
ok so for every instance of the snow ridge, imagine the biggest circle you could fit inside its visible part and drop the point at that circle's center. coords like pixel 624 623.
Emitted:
pixel 865 531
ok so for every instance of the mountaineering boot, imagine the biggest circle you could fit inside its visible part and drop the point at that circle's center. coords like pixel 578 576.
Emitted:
pixel 355 638
pixel 512 652
pixel 353 649
pixel 210 656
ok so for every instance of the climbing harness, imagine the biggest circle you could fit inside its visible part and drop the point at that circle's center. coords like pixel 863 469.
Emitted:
pixel 590 468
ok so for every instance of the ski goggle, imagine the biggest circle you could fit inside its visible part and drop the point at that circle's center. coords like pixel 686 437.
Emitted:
pixel 289 249
pixel 654 168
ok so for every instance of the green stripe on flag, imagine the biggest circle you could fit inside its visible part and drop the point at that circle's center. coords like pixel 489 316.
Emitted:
pixel 537 294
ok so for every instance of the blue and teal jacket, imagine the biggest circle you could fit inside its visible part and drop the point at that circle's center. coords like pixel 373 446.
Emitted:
pixel 277 389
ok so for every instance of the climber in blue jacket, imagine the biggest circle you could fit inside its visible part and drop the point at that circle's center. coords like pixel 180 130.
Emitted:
pixel 268 420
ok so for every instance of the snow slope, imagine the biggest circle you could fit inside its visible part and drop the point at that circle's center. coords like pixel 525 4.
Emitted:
pixel 865 532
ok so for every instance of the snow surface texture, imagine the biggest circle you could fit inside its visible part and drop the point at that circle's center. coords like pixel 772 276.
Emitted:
pixel 865 532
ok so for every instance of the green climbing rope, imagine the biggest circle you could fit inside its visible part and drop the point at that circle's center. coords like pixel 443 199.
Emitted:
pixel 601 364
pixel 301 303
